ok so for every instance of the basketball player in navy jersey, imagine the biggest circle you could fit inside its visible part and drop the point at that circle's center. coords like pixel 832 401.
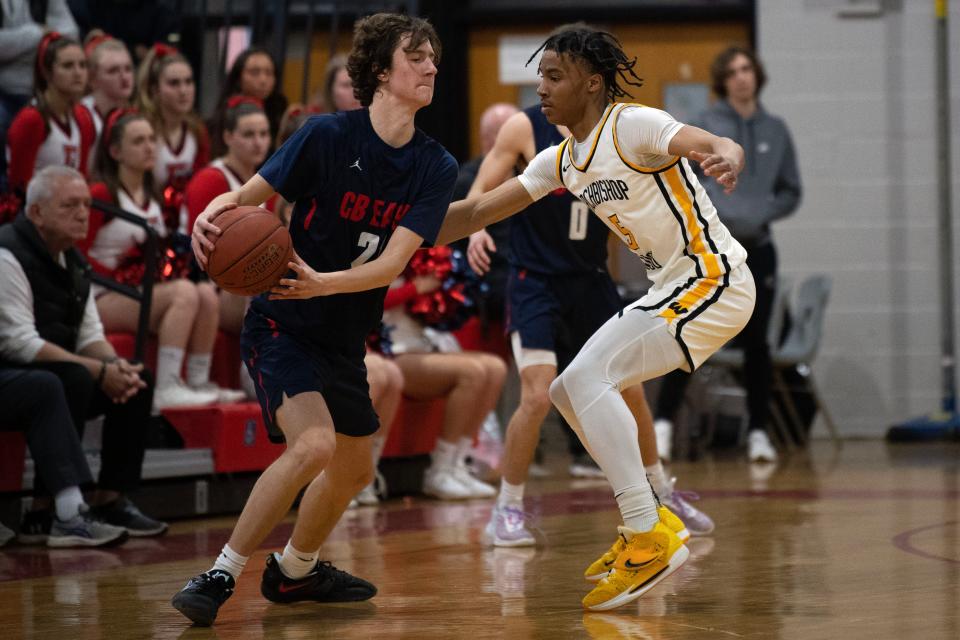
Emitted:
pixel 558 292
pixel 629 164
pixel 369 190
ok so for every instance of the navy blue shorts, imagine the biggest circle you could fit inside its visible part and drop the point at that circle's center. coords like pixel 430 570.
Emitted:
pixel 559 313
pixel 281 363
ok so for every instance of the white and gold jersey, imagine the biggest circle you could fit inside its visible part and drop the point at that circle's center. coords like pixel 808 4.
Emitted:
pixel 650 200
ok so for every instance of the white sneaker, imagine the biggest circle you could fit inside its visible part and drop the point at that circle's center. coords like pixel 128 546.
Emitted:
pixel 177 394
pixel 443 484
pixel 759 448
pixel 476 487
pixel 664 432
pixel 507 527
pixel 226 396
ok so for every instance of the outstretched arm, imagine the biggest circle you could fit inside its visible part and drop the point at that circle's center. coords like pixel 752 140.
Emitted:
pixel 467 216
pixel 719 158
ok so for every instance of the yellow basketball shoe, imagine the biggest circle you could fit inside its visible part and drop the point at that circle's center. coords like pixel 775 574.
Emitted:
pixel 598 570
pixel 646 559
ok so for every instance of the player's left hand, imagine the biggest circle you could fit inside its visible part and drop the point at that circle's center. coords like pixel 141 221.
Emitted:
pixel 722 169
pixel 307 283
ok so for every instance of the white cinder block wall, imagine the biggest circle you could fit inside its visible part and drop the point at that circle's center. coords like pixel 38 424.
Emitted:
pixel 859 97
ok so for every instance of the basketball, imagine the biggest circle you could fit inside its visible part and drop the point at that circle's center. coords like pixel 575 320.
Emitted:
pixel 251 253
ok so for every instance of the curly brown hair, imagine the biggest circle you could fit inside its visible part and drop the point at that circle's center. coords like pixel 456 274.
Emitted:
pixel 375 38
pixel 719 68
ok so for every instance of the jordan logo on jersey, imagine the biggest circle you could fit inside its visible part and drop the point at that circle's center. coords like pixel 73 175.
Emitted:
pixel 604 191
pixel 650 262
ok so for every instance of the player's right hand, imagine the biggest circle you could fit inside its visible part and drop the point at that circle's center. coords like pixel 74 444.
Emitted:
pixel 478 256
pixel 202 245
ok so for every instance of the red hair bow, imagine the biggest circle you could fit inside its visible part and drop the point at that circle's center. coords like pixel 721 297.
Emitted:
pixel 112 118
pixel 95 42
pixel 237 100
pixel 52 36
pixel 161 50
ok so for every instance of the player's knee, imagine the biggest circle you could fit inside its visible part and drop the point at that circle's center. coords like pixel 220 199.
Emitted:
pixel 536 400
pixel 312 452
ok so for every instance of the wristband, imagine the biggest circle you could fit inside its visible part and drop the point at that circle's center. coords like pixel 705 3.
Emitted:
pixel 103 372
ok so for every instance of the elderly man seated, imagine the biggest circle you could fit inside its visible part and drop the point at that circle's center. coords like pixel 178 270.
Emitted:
pixel 48 320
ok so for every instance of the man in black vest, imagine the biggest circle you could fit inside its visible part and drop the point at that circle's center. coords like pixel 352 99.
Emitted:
pixel 48 320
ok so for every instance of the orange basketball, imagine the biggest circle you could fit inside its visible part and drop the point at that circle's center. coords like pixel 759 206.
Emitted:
pixel 251 253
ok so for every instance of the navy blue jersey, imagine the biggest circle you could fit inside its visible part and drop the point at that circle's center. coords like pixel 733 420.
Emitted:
pixel 351 191
pixel 558 234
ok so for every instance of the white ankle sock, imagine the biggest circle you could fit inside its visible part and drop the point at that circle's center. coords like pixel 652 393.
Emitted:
pixel 659 481
pixel 510 494
pixel 169 363
pixel 68 503
pixel 231 562
pixel 295 564
pixel 198 368
pixel 463 448
pixel 638 507
pixel 444 454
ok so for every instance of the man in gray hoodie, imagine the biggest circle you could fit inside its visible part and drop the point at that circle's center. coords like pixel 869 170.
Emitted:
pixel 768 190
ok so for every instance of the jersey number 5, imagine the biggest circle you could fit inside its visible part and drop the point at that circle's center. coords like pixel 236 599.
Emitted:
pixel 627 234
pixel 369 242
pixel 578 220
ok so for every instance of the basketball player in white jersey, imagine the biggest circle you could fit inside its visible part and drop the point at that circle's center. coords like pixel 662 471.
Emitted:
pixel 629 164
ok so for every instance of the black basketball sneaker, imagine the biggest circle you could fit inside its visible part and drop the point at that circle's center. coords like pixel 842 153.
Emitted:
pixel 325 583
pixel 202 597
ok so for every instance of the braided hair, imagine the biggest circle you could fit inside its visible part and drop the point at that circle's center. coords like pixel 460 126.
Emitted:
pixel 600 51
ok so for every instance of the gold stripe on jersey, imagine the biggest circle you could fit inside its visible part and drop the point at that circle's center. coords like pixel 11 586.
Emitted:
pixel 560 159
pixel 593 147
pixel 712 266
pixel 636 167
pixel 703 288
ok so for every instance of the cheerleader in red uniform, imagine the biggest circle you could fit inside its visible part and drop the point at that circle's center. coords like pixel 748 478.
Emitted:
pixel 183 314
pixel 111 76
pixel 54 129
pixel 166 94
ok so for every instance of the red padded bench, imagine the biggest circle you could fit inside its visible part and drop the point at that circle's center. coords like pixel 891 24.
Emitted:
pixel 13 450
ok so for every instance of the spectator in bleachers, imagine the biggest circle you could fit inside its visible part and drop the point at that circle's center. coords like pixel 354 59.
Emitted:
pixel 293 118
pixel 434 367
pixel 22 26
pixel 768 190
pixel 253 74
pixel 337 88
pixel 34 402
pixel 48 320
pixel 246 136
pixel 54 129
pixel 165 95
pixel 184 315
pixel 110 71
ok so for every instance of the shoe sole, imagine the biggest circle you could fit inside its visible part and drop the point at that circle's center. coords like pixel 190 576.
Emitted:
pixel 676 561
pixel 523 542
pixel 198 613
pixel 60 542
pixel 146 533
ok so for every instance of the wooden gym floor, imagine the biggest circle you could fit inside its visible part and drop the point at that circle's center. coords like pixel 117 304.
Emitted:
pixel 861 543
